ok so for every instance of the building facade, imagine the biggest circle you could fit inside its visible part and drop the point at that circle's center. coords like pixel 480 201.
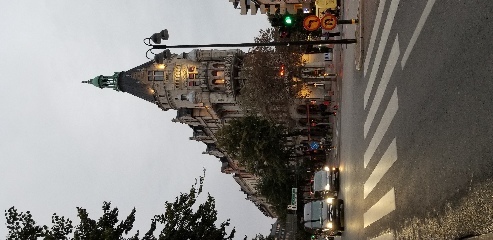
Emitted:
pixel 203 87
pixel 270 6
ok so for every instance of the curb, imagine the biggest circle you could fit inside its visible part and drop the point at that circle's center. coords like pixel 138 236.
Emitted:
pixel 481 237
pixel 358 58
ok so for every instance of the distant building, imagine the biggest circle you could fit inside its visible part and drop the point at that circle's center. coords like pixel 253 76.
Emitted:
pixel 285 231
pixel 270 6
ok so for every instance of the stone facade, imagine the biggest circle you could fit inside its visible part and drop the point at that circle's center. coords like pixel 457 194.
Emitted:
pixel 203 86
pixel 270 6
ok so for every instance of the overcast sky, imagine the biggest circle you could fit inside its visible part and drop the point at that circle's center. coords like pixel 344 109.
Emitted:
pixel 65 145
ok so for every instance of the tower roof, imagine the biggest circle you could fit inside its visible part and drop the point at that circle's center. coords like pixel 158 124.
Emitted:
pixel 126 83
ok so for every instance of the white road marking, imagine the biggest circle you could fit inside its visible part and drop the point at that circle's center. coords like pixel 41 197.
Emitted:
pixel 387 236
pixel 387 73
pixel 388 159
pixel 381 47
pixel 417 31
pixel 376 27
pixel 388 115
pixel 383 207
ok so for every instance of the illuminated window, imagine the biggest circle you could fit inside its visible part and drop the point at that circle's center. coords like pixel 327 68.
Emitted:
pixel 218 81
pixel 155 75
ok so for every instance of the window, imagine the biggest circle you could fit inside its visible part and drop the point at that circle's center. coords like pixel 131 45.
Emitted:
pixel 218 65
pixel 193 83
pixel 192 75
pixel 218 81
pixel 155 75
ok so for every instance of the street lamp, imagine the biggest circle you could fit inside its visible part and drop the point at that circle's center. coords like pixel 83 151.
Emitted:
pixel 164 35
pixel 156 39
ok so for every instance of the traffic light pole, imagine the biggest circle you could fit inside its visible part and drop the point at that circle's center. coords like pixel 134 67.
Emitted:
pixel 267 44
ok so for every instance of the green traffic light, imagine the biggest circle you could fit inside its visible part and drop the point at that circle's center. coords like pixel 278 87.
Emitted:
pixel 288 20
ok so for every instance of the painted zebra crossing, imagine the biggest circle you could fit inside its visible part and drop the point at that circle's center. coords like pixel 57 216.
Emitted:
pixel 386 203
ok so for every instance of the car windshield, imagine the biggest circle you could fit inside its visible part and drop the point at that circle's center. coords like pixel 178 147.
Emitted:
pixel 320 180
pixel 315 214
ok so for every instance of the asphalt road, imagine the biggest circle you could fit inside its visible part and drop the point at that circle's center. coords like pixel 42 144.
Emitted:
pixel 417 119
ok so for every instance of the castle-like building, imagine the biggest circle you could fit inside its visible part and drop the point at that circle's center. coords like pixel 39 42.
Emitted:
pixel 203 87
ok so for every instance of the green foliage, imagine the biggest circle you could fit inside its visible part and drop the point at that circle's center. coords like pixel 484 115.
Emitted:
pixel 257 143
pixel 179 221
pixel 260 237
pixel 106 227
pixel 22 226
pixel 265 91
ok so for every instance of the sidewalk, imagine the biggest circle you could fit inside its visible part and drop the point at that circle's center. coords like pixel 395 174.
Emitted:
pixel 487 236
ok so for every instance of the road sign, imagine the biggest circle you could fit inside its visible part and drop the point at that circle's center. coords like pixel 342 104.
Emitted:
pixel 314 145
pixel 294 196
pixel 324 4
pixel 311 23
pixel 329 22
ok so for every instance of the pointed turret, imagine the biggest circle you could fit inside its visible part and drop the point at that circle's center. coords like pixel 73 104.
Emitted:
pixel 105 81
pixel 127 81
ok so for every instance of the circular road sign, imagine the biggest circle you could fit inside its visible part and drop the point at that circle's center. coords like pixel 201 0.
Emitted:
pixel 329 22
pixel 311 23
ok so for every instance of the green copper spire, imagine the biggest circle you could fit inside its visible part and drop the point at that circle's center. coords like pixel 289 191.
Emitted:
pixel 105 81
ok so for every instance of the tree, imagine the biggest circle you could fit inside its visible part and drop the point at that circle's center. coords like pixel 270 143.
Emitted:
pixel 179 221
pixel 22 226
pixel 260 237
pixel 266 91
pixel 257 143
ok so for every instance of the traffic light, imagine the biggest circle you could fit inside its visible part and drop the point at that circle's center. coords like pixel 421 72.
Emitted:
pixel 284 32
pixel 281 70
pixel 276 21
pixel 288 20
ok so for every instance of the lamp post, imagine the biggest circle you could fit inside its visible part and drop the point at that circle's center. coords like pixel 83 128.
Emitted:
pixel 164 35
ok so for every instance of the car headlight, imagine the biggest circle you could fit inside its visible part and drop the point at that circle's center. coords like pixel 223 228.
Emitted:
pixel 329 200
pixel 326 168
pixel 329 225
pixel 327 187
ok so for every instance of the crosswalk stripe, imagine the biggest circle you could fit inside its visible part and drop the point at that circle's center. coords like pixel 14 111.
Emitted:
pixel 384 124
pixel 381 47
pixel 376 26
pixel 387 160
pixel 384 206
pixel 387 73
pixel 417 31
